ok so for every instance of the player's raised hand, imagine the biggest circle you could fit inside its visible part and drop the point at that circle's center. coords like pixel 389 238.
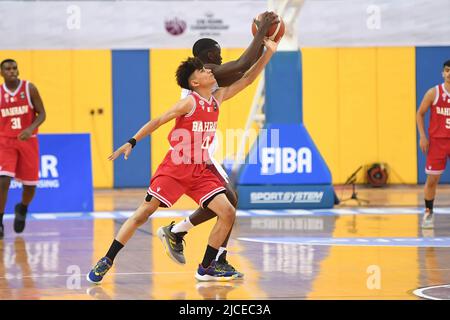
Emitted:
pixel 269 18
pixel 266 19
pixel 424 144
pixel 271 45
pixel 126 149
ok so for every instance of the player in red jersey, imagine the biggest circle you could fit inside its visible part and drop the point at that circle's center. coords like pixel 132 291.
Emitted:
pixel 21 113
pixel 183 170
pixel 209 52
pixel 437 147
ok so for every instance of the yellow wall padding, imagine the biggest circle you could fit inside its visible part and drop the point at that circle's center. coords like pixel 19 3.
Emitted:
pixel 359 107
pixel 71 84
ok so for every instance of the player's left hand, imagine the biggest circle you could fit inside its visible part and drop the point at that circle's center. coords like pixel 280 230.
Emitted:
pixel 267 19
pixel 25 134
pixel 270 44
pixel 126 149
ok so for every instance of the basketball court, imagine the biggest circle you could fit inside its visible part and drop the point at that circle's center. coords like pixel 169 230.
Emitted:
pixel 349 252
pixel 341 92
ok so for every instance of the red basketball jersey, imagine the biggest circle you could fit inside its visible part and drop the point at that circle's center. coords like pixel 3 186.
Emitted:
pixel 193 132
pixel 440 114
pixel 16 110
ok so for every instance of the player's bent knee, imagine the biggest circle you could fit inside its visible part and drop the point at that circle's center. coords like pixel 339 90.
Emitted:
pixel 140 219
pixel 207 202
pixel 232 197
pixel 148 208
pixel 229 214
pixel 432 181
pixel 221 206
pixel 431 184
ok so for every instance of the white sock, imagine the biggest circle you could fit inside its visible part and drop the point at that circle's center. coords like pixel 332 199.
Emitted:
pixel 221 250
pixel 183 226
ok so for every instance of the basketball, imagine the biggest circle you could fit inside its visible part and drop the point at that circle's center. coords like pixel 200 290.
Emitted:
pixel 275 31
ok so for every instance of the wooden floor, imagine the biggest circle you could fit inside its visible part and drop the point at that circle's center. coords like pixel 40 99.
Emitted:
pixel 350 252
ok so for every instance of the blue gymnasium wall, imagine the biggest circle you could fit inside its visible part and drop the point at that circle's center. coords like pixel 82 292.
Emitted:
pixel 131 110
pixel 281 68
pixel 429 61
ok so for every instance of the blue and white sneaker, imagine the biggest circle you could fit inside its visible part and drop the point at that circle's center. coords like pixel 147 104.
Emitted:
pixel 428 220
pixel 226 266
pixel 98 272
pixel 213 273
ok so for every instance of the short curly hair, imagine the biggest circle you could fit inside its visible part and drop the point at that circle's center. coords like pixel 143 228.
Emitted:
pixel 7 61
pixel 186 69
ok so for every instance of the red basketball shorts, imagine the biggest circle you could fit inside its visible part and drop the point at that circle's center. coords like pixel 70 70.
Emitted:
pixel 438 152
pixel 20 159
pixel 171 181
pixel 217 173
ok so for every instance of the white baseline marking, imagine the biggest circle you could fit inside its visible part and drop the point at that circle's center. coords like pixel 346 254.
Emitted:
pixel 117 274
pixel 419 292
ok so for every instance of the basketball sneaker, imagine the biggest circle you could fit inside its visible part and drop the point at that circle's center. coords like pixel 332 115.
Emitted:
pixel 98 272
pixel 20 212
pixel 427 233
pixel 226 266
pixel 172 242
pixel 428 220
pixel 213 273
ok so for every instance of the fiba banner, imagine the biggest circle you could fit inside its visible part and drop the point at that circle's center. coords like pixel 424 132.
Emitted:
pixel 284 169
pixel 290 158
pixel 65 176
pixel 289 171
pixel 126 24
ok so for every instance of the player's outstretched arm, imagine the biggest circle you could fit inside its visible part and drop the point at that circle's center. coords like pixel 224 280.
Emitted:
pixel 427 101
pixel 182 107
pixel 230 72
pixel 250 76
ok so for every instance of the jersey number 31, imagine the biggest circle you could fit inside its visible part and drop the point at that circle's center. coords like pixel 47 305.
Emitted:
pixel 17 125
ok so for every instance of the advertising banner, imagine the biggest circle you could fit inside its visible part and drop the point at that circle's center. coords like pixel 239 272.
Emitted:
pixel 178 24
pixel 126 24
pixel 65 176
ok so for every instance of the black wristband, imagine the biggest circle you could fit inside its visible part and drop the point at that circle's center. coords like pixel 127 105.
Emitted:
pixel 132 141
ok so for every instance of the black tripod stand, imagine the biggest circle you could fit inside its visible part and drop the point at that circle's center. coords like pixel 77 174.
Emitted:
pixel 352 180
